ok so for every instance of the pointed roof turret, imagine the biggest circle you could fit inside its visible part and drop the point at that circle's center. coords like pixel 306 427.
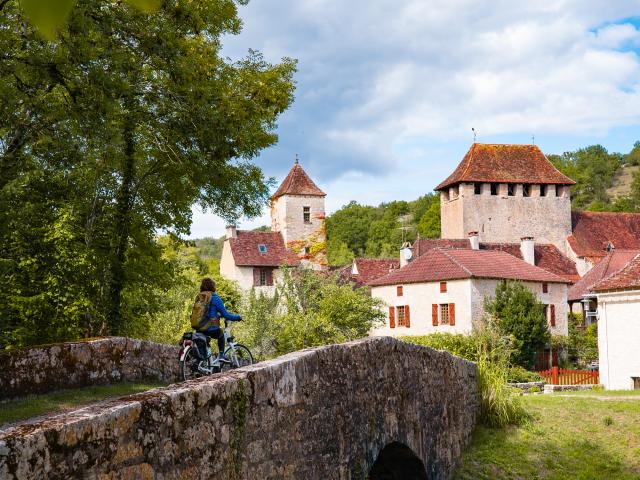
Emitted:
pixel 298 182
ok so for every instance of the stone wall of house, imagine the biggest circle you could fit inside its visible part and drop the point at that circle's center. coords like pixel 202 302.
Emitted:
pixel 504 218
pixel 83 363
pixel 323 413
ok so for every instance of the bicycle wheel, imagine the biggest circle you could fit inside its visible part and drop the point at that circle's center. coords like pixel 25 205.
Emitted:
pixel 239 355
pixel 189 366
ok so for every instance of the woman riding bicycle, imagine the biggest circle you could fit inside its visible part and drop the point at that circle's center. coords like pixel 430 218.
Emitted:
pixel 217 310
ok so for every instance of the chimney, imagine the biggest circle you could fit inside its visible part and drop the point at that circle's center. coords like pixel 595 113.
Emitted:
pixel 231 231
pixel 527 249
pixel 474 240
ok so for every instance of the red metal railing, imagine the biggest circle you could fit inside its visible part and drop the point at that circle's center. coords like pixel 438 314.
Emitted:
pixel 560 376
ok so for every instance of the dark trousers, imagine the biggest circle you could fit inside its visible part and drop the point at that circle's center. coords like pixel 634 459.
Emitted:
pixel 219 335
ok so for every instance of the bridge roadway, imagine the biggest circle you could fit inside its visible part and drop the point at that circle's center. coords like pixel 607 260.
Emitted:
pixel 376 408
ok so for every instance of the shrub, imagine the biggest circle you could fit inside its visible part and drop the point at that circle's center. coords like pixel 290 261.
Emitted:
pixel 518 374
pixel 500 404
pixel 519 314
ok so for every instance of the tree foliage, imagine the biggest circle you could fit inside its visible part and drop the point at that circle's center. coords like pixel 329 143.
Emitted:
pixel 110 134
pixel 309 309
pixel 517 312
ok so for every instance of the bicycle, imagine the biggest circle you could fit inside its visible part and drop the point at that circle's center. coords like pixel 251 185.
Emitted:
pixel 193 365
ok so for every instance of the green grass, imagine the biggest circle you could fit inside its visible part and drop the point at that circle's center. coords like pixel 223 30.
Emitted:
pixel 34 405
pixel 568 437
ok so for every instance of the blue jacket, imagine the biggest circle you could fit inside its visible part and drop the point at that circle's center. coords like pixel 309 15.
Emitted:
pixel 217 310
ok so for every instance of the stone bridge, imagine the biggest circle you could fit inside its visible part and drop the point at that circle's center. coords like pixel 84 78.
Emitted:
pixel 376 408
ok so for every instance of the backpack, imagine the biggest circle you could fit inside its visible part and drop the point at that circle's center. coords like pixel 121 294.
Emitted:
pixel 200 310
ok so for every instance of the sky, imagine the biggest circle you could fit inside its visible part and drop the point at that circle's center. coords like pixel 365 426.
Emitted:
pixel 389 90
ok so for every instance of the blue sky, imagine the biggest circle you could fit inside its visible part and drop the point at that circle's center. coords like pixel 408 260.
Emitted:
pixel 388 90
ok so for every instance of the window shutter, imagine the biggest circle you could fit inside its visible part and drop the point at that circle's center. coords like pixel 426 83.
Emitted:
pixel 399 290
pixel 256 276
pixel 392 317
pixel 434 315
pixel 452 314
pixel 269 276
pixel 407 317
pixel 553 316
pixel 443 287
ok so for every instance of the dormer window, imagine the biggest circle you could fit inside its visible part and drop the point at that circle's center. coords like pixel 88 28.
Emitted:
pixel 306 214
pixel 262 248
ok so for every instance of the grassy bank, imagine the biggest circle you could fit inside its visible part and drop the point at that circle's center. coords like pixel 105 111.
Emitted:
pixel 34 405
pixel 585 435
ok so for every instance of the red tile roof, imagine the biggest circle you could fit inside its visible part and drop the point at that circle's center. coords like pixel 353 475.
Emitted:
pixel 297 182
pixel 547 256
pixel 245 250
pixel 626 279
pixel 593 231
pixel 452 264
pixel 369 269
pixel 505 163
pixel 612 263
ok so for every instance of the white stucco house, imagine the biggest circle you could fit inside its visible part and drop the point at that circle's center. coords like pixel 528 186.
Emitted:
pixel 297 237
pixel 619 328
pixel 444 291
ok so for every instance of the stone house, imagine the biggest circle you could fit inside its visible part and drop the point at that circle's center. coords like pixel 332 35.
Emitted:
pixel 297 236
pixel 619 328
pixel 364 270
pixel 444 291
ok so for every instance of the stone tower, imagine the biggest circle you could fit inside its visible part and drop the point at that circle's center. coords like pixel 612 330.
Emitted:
pixel 297 213
pixel 505 193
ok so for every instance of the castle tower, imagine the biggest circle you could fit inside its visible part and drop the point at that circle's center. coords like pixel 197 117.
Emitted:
pixel 297 212
pixel 505 193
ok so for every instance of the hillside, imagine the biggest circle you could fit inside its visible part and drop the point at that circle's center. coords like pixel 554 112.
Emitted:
pixel 622 181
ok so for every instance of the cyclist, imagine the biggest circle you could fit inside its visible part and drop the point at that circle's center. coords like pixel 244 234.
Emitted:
pixel 217 310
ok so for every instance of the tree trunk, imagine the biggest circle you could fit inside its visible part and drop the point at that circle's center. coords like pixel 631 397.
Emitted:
pixel 122 226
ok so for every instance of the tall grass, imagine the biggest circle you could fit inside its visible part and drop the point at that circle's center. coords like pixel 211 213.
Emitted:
pixel 500 404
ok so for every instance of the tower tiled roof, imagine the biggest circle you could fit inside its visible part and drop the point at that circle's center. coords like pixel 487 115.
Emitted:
pixel 453 264
pixel 505 163
pixel 628 278
pixel 546 255
pixel 594 231
pixel 297 182
pixel 612 263
pixel 245 249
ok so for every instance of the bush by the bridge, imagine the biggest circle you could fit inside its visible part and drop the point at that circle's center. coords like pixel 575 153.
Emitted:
pixel 500 405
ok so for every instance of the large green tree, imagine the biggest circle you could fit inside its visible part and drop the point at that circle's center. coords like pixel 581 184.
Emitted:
pixel 109 134
pixel 517 313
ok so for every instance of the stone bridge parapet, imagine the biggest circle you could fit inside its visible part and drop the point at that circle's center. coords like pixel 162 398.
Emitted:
pixel 323 413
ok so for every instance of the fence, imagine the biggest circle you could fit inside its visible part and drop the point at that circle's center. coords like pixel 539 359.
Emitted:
pixel 560 376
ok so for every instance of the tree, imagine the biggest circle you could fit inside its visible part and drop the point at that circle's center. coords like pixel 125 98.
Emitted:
pixel 350 225
pixel 518 313
pixel 338 253
pixel 113 131
pixel 429 225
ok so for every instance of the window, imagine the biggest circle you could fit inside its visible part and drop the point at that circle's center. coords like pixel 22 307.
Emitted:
pixel 444 314
pixel 543 190
pixel 636 383
pixel 402 315
pixel 552 315
pixel 399 290
pixel 526 190
pixel 262 248
pixel 558 191
pixel 443 287
pixel 511 189
pixel 545 287
pixel 477 188
pixel 262 276
pixel 306 214
pixel 494 189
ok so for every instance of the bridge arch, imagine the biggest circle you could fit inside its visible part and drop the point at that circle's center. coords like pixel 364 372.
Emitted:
pixel 396 461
